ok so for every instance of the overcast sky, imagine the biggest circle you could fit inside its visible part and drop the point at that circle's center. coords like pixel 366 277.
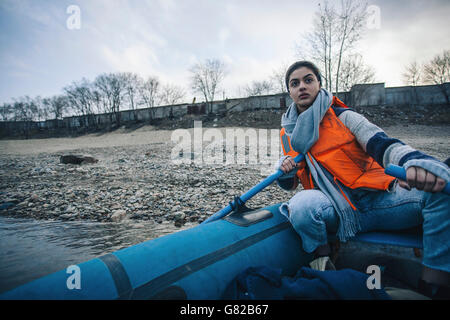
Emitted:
pixel 39 54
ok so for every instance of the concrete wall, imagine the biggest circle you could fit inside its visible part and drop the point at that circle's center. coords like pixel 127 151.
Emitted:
pixel 368 95
pixel 376 95
pixel 364 95
pixel 419 95
pixel 267 102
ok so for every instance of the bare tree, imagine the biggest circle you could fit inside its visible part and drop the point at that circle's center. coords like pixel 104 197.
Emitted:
pixel 335 33
pixel 112 89
pixel 317 44
pixel 206 77
pixel 412 74
pixel 80 99
pixel 132 84
pixel 354 71
pixel 42 112
pixel 118 84
pixel 354 77
pixel 102 95
pixel 56 106
pixel 6 111
pixel 277 78
pixel 97 99
pixel 148 90
pixel 171 94
pixel 25 110
pixel 351 20
pixel 257 88
pixel 437 71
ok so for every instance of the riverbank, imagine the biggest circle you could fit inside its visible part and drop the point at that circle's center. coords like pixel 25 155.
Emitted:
pixel 136 179
pixel 381 115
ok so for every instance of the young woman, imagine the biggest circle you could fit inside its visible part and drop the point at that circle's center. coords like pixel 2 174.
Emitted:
pixel 346 189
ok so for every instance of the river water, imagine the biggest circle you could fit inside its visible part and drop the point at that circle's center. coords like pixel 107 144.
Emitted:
pixel 30 248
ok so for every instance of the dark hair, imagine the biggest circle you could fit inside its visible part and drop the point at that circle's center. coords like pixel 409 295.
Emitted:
pixel 298 65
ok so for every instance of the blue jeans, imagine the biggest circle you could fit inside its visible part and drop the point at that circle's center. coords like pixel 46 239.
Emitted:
pixel 313 216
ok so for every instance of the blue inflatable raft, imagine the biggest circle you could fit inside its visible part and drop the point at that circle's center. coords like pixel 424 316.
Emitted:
pixel 197 263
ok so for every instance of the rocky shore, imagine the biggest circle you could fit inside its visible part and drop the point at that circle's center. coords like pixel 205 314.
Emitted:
pixel 137 179
pixel 128 182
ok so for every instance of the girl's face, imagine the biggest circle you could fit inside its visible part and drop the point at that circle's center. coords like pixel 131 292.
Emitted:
pixel 303 88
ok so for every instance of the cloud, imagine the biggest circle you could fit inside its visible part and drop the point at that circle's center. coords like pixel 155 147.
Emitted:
pixel 165 38
pixel 35 14
pixel 227 59
pixel 166 5
pixel 137 58
pixel 402 39
pixel 224 35
pixel 193 59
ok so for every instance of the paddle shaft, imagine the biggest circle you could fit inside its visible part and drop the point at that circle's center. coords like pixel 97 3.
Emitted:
pixel 252 192
pixel 391 170
pixel 400 173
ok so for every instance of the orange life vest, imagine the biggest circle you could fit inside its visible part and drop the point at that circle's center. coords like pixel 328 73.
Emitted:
pixel 338 151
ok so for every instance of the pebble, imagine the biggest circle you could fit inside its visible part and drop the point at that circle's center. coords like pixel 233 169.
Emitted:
pixel 179 216
pixel 118 215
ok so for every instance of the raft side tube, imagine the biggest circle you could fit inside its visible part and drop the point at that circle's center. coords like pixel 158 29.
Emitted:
pixel 196 263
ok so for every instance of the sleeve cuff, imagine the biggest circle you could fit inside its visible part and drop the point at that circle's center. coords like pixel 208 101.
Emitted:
pixel 437 168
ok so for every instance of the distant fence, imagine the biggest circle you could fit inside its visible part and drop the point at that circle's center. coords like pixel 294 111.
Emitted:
pixel 364 95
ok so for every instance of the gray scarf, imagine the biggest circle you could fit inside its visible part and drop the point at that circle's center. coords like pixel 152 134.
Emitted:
pixel 303 131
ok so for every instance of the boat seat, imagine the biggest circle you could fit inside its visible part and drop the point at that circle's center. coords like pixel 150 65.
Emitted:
pixel 409 238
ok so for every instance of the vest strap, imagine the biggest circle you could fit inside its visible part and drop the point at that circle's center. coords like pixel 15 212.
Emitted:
pixel 342 191
pixel 285 141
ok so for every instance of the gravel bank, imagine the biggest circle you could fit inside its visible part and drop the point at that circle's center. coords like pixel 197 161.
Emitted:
pixel 136 179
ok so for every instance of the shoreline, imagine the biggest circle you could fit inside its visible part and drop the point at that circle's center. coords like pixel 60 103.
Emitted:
pixel 135 178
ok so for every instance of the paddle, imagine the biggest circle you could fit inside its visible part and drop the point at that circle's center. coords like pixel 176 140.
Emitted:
pixel 391 170
pixel 400 173
pixel 253 191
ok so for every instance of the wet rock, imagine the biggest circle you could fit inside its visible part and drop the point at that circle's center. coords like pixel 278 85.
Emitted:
pixel 179 216
pixel 118 215
pixel 77 159
pixel 179 223
pixel 7 205
pixel 11 200
pixel 70 209
pixel 67 216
